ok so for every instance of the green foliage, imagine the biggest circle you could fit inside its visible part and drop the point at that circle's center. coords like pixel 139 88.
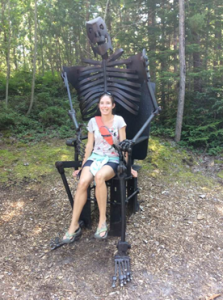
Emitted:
pixel 158 129
pixel 196 22
pixel 7 117
pixel 17 123
pixel 209 135
pixel 52 115
pixel 49 117
pixel 20 83
pixel 133 26
pixel 2 86
pixel 202 123
pixel 65 131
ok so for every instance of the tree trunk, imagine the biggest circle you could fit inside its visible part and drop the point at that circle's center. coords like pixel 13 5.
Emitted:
pixel 59 63
pixel 88 47
pixel 15 59
pixel 42 56
pixel 189 68
pixel 41 47
pixel 31 49
pixel 218 36
pixel 197 64
pixel 218 58
pixel 163 64
pixel 8 57
pixel 175 38
pixel 205 65
pixel 107 18
pixel 3 16
pixel 181 97
pixel 152 38
pixel 24 54
pixel 106 10
pixel 34 60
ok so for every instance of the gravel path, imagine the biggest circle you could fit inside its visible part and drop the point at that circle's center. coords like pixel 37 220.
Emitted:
pixel 176 239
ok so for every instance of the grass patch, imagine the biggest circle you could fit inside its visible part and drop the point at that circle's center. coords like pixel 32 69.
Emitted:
pixel 166 159
pixel 220 174
pixel 32 161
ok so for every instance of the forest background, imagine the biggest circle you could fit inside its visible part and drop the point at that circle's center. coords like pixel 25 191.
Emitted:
pixel 55 31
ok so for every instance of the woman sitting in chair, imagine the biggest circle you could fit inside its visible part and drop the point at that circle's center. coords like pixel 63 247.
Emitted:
pixel 100 163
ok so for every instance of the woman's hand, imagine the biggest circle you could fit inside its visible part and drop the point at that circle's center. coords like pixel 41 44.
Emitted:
pixel 134 173
pixel 75 173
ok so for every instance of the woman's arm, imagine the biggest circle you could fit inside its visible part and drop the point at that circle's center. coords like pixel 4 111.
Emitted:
pixel 122 134
pixel 88 150
pixel 89 146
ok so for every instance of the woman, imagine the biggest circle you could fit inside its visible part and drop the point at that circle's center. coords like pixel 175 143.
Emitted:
pixel 100 163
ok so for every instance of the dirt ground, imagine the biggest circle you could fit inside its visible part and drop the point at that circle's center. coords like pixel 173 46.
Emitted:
pixel 176 239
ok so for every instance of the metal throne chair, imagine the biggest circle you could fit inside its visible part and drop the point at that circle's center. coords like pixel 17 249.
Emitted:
pixel 133 93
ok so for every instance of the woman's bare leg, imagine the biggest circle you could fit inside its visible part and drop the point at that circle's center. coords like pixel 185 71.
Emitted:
pixel 101 176
pixel 80 198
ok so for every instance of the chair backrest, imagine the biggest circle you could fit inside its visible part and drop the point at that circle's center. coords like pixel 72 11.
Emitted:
pixel 135 122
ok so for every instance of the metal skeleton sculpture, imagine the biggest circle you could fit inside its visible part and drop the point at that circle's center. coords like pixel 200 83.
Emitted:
pixel 128 80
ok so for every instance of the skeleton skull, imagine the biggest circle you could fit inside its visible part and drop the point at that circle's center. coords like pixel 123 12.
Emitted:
pixel 99 38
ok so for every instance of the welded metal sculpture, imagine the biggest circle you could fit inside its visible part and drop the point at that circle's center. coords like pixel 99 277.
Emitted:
pixel 128 80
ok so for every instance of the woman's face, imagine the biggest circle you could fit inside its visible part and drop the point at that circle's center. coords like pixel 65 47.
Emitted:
pixel 105 105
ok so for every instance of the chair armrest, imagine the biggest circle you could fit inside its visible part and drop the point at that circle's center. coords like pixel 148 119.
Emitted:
pixel 72 142
pixel 141 139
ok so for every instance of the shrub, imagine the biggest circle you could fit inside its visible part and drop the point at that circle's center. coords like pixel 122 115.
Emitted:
pixel 52 115
pixel 7 117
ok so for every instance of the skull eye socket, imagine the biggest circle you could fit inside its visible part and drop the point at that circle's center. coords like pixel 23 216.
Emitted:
pixel 101 26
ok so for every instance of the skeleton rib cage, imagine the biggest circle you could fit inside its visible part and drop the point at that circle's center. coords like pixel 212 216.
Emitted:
pixel 105 76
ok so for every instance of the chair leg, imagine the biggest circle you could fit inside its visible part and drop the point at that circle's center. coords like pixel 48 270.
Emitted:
pixel 115 209
pixel 122 260
pixel 133 204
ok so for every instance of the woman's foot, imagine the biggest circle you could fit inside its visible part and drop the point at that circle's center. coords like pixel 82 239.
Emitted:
pixel 71 237
pixel 102 232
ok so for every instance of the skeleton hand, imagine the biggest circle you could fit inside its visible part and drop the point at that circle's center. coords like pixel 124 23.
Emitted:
pixel 126 145
pixel 122 271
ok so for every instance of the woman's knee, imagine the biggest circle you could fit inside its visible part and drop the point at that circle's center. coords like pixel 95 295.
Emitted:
pixel 83 184
pixel 99 178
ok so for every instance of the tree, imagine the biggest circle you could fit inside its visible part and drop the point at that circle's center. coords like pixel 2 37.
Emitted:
pixel 181 96
pixel 34 60
pixel 8 46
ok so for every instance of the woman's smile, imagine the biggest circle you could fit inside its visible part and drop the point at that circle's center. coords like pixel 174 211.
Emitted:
pixel 105 105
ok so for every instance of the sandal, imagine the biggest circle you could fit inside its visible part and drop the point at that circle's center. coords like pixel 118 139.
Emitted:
pixel 100 230
pixel 70 238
